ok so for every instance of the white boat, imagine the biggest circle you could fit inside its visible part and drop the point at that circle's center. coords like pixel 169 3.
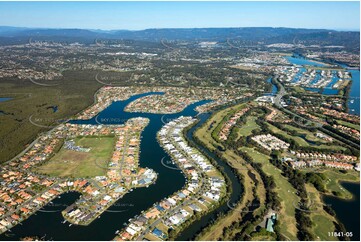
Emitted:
pixel 116 231
pixel 70 225
pixel 63 222
pixel 352 101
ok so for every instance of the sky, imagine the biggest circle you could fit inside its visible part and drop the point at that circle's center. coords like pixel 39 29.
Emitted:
pixel 143 15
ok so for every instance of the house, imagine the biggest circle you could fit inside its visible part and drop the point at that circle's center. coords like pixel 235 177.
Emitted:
pixel 271 222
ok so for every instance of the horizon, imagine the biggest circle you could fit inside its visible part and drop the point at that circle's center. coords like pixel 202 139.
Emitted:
pixel 112 30
pixel 134 16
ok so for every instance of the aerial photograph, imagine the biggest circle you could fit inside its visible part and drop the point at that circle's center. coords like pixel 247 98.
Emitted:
pixel 180 120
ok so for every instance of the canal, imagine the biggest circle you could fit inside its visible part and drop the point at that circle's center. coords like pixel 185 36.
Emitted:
pixel 353 100
pixel 48 222
pixel 236 186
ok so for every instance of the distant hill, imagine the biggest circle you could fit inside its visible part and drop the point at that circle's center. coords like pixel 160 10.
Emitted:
pixel 266 35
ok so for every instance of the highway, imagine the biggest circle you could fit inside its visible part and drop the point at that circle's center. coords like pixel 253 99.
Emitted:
pixel 310 123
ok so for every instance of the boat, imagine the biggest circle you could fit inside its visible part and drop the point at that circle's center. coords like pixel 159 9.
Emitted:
pixel 352 101
pixel 63 222
pixel 116 231
pixel 70 225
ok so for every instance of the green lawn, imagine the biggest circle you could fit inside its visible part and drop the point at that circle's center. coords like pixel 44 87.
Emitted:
pixel 350 125
pixel 249 126
pixel 322 222
pixel 217 121
pixel 334 177
pixel 302 142
pixel 322 225
pixel 309 135
pixel 285 191
pixel 69 163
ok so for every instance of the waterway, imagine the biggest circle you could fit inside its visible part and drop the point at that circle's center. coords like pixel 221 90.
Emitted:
pixel 49 224
pixel 274 87
pixel 354 95
pixel 236 186
pixel 3 99
pixel 353 100
pixel 299 60
pixel 348 211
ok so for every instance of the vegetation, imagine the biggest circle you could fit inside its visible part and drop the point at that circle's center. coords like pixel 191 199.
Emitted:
pixel 70 163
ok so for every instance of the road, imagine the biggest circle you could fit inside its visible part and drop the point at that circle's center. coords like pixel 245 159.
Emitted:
pixel 282 92
pixel 277 101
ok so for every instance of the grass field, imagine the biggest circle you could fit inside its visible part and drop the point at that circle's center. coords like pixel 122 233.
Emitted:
pixel 215 232
pixel 302 142
pixel 216 120
pixel 249 126
pixel 334 177
pixel 285 191
pixel 350 125
pixel 322 222
pixel 73 94
pixel 309 135
pixel 69 163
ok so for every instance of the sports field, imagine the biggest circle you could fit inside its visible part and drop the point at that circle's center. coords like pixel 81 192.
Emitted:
pixel 70 163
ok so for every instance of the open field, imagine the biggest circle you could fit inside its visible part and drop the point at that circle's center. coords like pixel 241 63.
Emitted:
pixel 250 125
pixel 70 163
pixel 285 191
pixel 73 94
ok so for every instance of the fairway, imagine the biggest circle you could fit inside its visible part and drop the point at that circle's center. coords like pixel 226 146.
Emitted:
pixel 348 124
pixel 250 125
pixel 309 135
pixel 70 163
pixel 322 221
pixel 333 182
pixel 285 191
pixel 302 142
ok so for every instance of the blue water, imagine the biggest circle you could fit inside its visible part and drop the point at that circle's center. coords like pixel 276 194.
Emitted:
pixel 298 75
pixel 54 108
pixel 324 91
pixel 3 99
pixel 334 79
pixel 354 108
pixel 168 181
pixel 348 211
pixel 317 77
pixel 302 61
pixel 274 87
